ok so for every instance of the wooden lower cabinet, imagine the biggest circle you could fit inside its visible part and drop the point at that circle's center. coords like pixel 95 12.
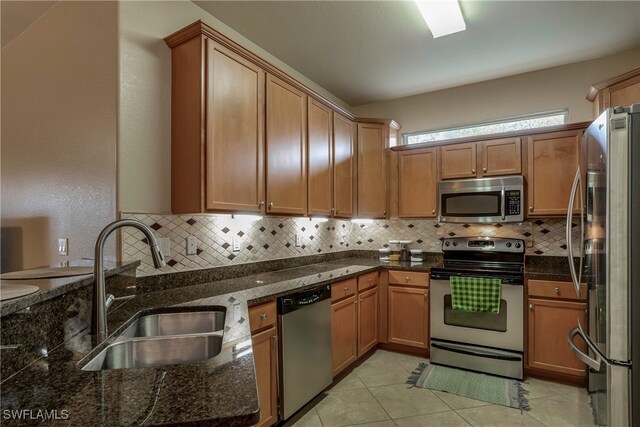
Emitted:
pixel 265 359
pixel 367 320
pixel 549 321
pixel 344 331
pixel 262 320
pixel 408 319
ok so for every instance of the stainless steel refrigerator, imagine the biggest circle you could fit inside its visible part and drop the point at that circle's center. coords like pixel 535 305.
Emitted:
pixel 609 225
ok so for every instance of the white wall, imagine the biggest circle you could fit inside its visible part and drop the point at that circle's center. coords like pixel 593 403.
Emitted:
pixel 545 90
pixel 144 130
pixel 59 111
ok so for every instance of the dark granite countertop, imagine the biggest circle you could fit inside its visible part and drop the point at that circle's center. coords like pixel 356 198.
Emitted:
pixel 53 287
pixel 221 390
pixel 547 268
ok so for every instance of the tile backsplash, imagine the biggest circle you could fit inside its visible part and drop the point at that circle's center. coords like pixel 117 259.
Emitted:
pixel 274 238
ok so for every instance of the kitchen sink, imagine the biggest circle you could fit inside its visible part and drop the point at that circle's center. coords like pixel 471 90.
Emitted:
pixel 197 322
pixel 149 352
pixel 164 339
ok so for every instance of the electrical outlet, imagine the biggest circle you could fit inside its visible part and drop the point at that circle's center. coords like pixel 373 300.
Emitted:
pixel 63 246
pixel 298 240
pixel 235 244
pixel 192 245
pixel 343 237
pixel 164 243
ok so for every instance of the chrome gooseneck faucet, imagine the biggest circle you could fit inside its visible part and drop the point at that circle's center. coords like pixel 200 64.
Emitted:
pixel 100 302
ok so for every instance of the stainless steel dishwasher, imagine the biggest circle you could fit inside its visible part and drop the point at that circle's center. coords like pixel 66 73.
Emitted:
pixel 305 347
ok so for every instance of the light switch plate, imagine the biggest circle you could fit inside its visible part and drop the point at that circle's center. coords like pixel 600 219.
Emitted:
pixel 164 244
pixel 63 246
pixel 235 244
pixel 192 245
pixel 298 240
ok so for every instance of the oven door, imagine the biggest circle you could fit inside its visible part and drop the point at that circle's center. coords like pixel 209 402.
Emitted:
pixel 503 330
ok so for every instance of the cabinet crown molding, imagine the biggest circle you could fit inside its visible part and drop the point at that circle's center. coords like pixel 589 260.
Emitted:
pixel 593 92
pixel 201 29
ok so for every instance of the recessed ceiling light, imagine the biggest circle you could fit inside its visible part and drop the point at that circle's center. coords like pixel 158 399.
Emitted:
pixel 442 16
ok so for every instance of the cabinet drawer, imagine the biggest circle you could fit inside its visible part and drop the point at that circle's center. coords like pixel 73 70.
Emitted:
pixel 344 289
pixel 557 290
pixel 409 278
pixel 367 281
pixel 262 315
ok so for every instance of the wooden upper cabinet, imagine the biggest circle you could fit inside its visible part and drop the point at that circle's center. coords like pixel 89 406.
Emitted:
pixel 217 122
pixel 320 160
pixel 622 90
pixel 417 183
pixel 344 167
pixel 500 157
pixel 458 161
pixel 286 182
pixel 234 147
pixel 552 161
pixel 372 170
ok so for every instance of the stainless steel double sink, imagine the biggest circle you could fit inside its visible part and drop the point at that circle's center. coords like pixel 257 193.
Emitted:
pixel 164 339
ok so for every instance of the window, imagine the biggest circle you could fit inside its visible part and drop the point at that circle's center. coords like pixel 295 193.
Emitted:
pixel 511 124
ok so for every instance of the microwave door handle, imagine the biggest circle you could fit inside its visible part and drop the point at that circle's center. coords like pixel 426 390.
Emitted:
pixel 502 207
pixel 572 198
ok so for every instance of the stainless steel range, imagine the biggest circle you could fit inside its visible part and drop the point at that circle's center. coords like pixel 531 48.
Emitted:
pixel 480 341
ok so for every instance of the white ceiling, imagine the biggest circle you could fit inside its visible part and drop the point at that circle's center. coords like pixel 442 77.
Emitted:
pixel 17 16
pixel 366 51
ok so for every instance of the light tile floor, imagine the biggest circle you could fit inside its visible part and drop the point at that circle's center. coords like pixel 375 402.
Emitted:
pixel 375 394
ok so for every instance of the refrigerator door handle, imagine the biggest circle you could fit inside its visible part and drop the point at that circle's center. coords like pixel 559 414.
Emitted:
pixel 593 363
pixel 576 186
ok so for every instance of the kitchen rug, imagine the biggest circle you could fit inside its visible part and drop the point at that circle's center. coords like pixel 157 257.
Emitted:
pixel 487 388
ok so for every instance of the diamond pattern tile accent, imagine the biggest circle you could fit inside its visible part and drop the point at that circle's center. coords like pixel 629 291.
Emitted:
pixel 545 236
pixel 156 226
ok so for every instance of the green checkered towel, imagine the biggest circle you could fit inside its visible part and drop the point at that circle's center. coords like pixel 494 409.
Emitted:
pixel 475 294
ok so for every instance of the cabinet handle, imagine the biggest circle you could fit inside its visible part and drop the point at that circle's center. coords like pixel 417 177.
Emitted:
pixel 473 171
pixel 407 278
pixel 370 280
pixel 484 170
pixel 530 306
pixel 261 205
pixel 274 338
pixel 346 288
pixel 356 301
pixel 264 316
pixel 337 210
pixel 557 291
pixel 530 208
pixel 270 205
pixel 384 212
pixel 426 294
pixel 433 211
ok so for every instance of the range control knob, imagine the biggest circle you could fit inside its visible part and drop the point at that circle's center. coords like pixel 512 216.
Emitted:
pixel 517 245
pixel 508 244
pixel 455 243
pixel 446 243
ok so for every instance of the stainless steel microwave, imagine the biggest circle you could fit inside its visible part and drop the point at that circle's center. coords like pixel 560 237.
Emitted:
pixel 482 200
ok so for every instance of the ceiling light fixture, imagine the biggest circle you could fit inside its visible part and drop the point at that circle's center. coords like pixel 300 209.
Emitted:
pixel 442 16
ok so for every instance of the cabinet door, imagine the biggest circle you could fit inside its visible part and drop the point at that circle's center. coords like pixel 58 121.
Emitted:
pixel 417 183
pixel 344 330
pixel 501 157
pixel 458 161
pixel 264 357
pixel 344 166
pixel 286 148
pixel 552 159
pixel 367 320
pixel 549 323
pixel 372 171
pixel 625 94
pixel 408 316
pixel 319 158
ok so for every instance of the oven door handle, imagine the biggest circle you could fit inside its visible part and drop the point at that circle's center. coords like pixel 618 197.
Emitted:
pixel 477 354
pixel 502 206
